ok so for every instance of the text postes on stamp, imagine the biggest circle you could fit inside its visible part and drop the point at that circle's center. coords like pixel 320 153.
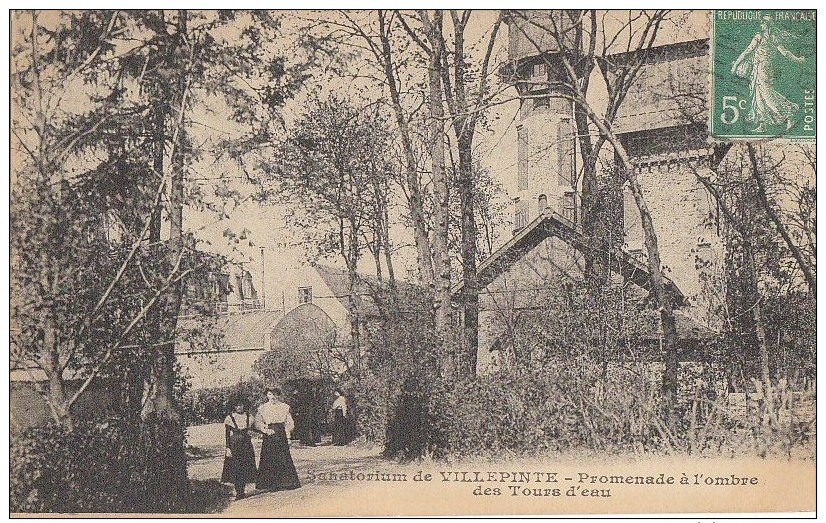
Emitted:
pixel 763 81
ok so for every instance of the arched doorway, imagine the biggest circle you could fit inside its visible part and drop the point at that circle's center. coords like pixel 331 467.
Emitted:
pixel 302 348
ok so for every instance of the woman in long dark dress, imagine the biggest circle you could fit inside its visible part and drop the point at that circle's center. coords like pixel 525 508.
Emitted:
pixel 276 470
pixel 339 409
pixel 239 463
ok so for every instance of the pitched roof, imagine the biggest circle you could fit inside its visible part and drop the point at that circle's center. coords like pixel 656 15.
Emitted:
pixel 242 331
pixel 338 280
pixel 549 224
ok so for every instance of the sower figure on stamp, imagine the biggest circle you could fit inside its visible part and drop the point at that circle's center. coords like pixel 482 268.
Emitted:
pixel 276 470
pixel 759 63
pixel 239 463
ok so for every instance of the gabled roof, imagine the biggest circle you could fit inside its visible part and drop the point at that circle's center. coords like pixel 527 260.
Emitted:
pixel 549 224
pixel 338 281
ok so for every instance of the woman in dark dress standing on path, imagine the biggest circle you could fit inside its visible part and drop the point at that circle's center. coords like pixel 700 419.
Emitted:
pixel 276 470
pixel 239 463
pixel 339 409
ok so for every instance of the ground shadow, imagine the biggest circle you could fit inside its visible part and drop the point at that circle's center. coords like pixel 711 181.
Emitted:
pixel 208 496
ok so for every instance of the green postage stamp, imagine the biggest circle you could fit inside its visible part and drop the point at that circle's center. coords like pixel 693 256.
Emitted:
pixel 763 78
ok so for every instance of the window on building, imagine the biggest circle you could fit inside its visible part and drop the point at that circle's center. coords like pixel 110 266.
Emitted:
pixel 522 153
pixel 566 147
pixel 520 219
pixel 569 206
pixel 543 202
pixel 540 103
pixel 305 295
pixel 631 220
pixel 539 71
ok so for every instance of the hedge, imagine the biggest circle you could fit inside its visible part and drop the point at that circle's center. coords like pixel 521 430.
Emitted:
pixel 92 468
pixel 212 405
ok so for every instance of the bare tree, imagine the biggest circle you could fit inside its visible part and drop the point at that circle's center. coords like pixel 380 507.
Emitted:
pixel 574 36
pixel 376 34
pixel 759 168
pixel 467 102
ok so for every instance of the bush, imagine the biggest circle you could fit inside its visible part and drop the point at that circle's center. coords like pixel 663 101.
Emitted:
pixel 560 407
pixel 98 467
pixel 579 406
pixel 212 405
pixel 93 468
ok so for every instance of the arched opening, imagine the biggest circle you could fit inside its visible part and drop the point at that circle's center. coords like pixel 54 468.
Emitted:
pixel 303 360
pixel 543 202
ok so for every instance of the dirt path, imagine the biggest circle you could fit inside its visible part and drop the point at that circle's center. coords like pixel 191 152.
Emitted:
pixel 207 462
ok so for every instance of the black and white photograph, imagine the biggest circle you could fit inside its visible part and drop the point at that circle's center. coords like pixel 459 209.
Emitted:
pixel 412 262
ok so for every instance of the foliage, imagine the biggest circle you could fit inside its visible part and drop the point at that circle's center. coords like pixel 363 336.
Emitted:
pixel 569 406
pixel 575 375
pixel 400 355
pixel 212 405
pixel 95 467
pixel 302 349
pixel 92 468
pixel 335 161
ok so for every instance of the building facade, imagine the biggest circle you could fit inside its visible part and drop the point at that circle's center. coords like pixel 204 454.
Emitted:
pixel 312 309
pixel 666 140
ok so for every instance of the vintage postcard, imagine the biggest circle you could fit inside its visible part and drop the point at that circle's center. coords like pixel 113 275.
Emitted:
pixel 412 262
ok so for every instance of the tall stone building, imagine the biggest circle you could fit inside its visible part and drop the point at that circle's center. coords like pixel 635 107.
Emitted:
pixel 666 138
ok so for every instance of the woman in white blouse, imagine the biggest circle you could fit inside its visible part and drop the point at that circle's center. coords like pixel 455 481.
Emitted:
pixel 339 410
pixel 276 470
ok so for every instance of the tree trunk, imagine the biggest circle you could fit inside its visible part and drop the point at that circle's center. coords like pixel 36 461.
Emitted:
pixel 597 272
pixel 752 291
pixel 663 299
pixel 762 344
pixel 470 291
pixel 667 322
pixel 388 256
pixel 162 430
pixel 159 142
pixel 424 258
pixel 353 301
pixel 441 190
pixel 55 394
pixel 464 117
pixel 57 399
